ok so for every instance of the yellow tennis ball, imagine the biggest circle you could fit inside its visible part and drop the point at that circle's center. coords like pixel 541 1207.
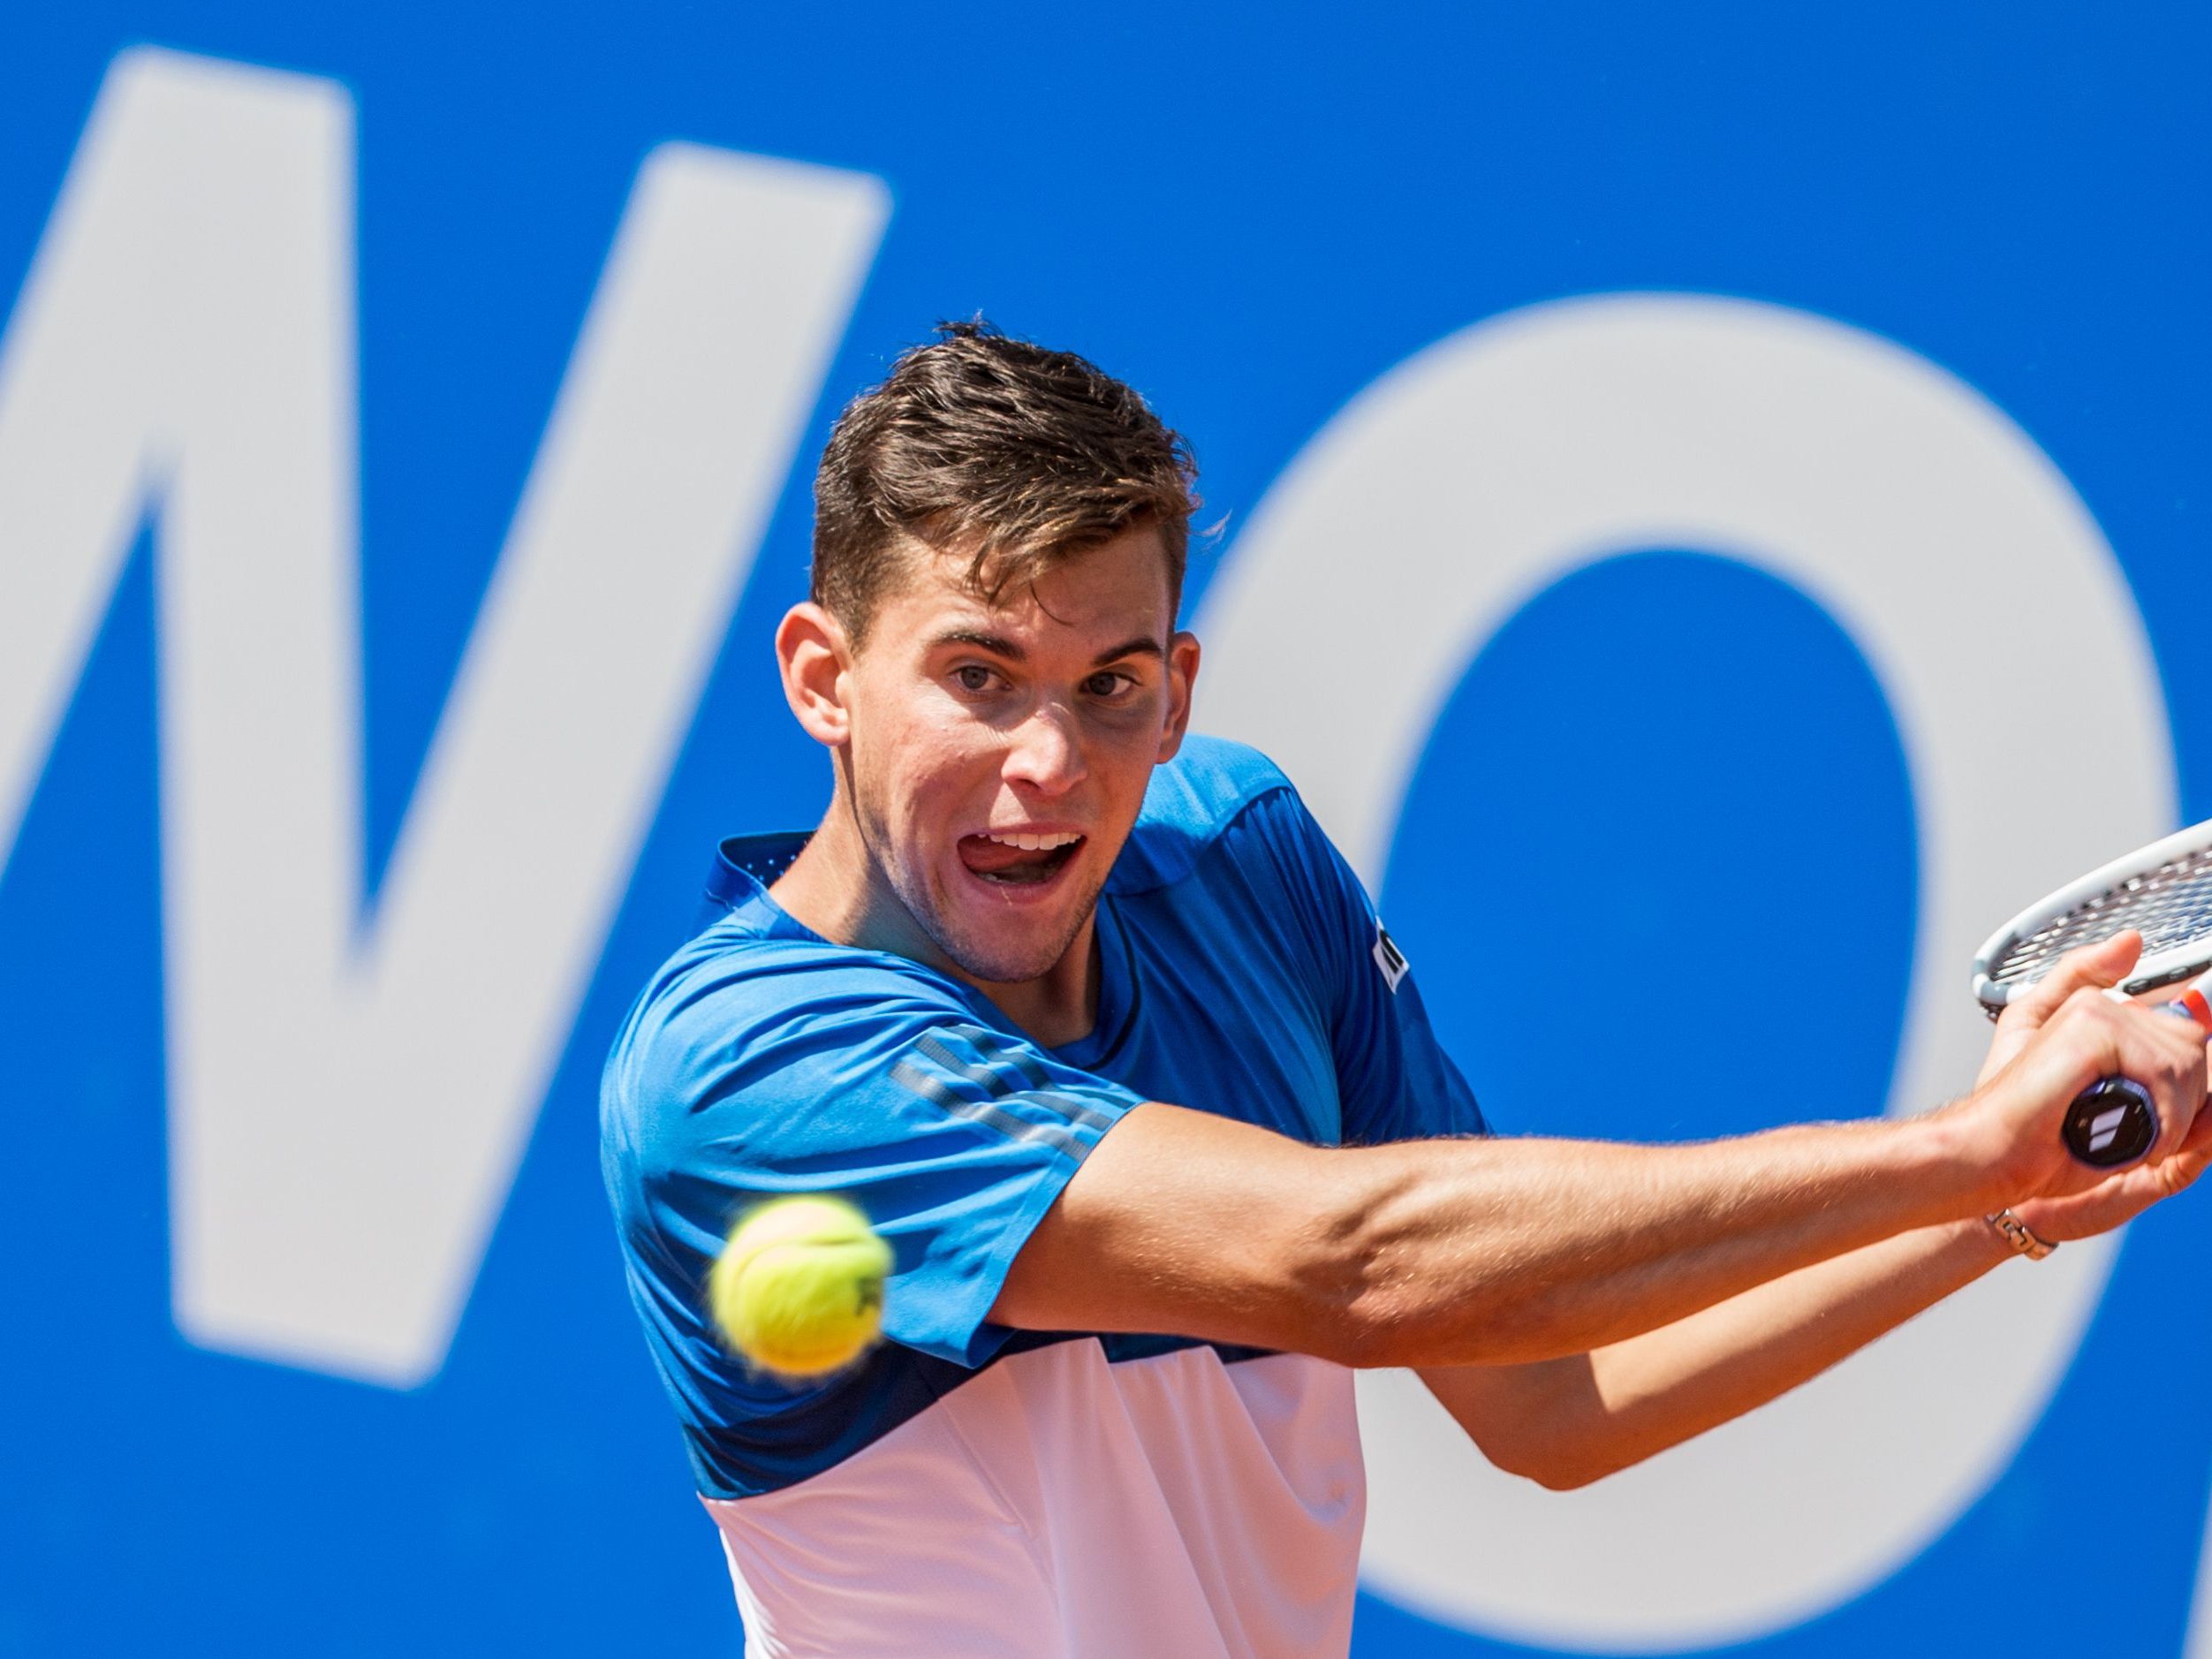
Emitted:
pixel 799 1288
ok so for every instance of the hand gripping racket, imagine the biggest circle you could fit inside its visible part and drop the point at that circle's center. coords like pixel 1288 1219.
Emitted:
pixel 2164 891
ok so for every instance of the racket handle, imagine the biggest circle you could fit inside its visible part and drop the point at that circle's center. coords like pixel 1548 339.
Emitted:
pixel 2110 1123
pixel 2113 1122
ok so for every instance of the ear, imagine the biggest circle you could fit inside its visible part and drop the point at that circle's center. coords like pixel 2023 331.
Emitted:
pixel 1183 655
pixel 815 658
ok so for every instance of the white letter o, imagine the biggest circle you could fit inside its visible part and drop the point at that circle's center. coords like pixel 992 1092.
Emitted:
pixel 1963 567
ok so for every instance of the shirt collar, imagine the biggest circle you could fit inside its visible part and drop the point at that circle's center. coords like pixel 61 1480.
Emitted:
pixel 744 867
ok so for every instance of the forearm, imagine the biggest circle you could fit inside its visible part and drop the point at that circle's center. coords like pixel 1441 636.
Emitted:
pixel 1456 1252
pixel 1520 1251
pixel 1568 1422
pixel 1491 1253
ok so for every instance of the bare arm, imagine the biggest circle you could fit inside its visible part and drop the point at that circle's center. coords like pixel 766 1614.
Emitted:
pixel 1568 1422
pixel 1456 1252
pixel 1565 1422
pixel 1483 1252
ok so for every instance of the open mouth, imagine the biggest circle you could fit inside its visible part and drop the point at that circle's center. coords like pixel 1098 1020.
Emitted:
pixel 1015 859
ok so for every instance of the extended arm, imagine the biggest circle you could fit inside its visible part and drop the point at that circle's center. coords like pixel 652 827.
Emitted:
pixel 1565 1422
pixel 1449 1253
pixel 1456 1252
pixel 1568 1422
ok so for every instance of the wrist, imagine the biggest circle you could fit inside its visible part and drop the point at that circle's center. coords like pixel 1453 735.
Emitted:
pixel 1961 1164
pixel 1974 1244
pixel 2018 1237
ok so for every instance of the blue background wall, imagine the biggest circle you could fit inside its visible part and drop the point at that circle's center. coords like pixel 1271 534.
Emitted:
pixel 1251 214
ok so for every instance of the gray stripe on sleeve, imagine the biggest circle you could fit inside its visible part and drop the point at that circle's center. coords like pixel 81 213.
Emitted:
pixel 914 1079
pixel 983 1077
pixel 993 1047
pixel 1074 1110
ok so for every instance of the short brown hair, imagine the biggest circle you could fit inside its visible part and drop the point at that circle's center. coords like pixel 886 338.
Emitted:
pixel 998 448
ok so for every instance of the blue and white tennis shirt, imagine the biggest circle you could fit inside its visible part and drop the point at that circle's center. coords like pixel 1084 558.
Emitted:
pixel 968 1490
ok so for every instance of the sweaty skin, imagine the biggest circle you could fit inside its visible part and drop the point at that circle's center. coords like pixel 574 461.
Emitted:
pixel 1575 1306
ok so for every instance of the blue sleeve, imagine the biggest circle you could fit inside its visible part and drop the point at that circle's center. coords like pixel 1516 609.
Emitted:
pixel 952 1134
pixel 1395 1081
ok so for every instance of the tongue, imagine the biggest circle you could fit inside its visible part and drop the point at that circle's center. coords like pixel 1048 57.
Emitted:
pixel 987 857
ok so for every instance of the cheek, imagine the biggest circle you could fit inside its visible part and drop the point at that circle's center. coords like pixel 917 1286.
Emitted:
pixel 1126 749
pixel 923 767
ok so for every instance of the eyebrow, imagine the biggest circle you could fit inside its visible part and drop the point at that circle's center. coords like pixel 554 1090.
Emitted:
pixel 998 645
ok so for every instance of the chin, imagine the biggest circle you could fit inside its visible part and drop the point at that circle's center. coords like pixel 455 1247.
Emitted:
pixel 1005 961
pixel 1008 948
pixel 1005 933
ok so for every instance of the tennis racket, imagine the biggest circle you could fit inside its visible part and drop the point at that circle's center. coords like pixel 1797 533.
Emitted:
pixel 2165 892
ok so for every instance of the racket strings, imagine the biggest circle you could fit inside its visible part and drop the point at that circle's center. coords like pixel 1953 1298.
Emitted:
pixel 2171 906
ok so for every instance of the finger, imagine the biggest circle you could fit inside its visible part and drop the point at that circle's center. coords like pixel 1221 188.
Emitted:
pixel 2092 968
pixel 2167 1057
pixel 2182 1170
pixel 2113 1202
pixel 2088 1038
pixel 2097 966
pixel 2093 1037
pixel 2193 1088
pixel 2110 1203
pixel 2200 1136
pixel 2174 1076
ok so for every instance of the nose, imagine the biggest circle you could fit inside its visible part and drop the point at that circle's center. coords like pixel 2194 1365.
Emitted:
pixel 1047 751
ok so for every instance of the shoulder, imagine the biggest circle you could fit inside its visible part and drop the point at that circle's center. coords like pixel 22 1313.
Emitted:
pixel 1212 787
pixel 733 1016
pixel 728 989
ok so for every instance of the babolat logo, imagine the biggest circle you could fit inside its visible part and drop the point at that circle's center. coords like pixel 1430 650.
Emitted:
pixel 1388 958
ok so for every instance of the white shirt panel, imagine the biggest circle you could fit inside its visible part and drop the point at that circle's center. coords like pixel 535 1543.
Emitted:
pixel 1057 1506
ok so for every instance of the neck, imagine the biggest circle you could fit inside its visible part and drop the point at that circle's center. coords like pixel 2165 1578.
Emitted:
pixel 1060 1006
pixel 836 888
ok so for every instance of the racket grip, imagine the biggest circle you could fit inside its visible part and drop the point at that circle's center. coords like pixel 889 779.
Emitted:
pixel 2110 1123
pixel 2113 1122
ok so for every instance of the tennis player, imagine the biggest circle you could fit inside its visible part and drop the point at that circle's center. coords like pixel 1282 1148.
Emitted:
pixel 1097 1026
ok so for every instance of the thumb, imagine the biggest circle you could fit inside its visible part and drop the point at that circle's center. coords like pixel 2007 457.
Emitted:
pixel 2097 966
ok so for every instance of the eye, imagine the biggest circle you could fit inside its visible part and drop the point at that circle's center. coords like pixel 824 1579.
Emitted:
pixel 973 677
pixel 1109 685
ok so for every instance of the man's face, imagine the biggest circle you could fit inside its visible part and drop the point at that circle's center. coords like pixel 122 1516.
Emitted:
pixel 998 755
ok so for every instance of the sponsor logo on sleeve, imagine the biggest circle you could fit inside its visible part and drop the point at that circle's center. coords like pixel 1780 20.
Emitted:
pixel 1388 958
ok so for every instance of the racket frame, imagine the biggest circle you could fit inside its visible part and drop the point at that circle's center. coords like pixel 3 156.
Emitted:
pixel 2164 967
